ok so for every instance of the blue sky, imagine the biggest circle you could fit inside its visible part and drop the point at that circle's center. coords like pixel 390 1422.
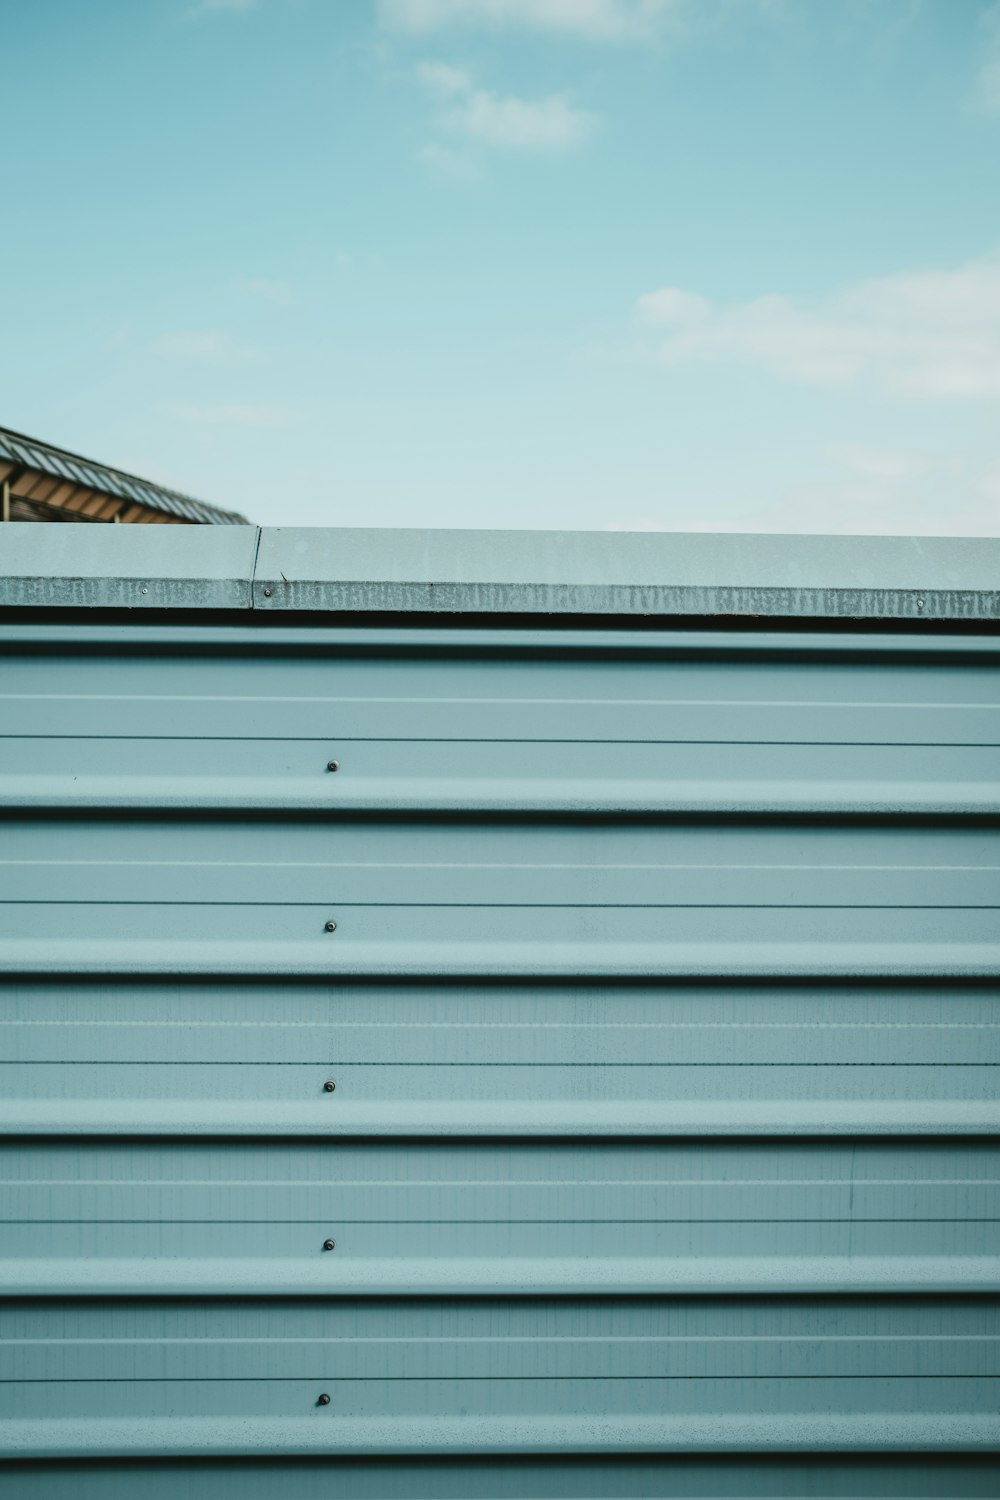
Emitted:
pixel 697 264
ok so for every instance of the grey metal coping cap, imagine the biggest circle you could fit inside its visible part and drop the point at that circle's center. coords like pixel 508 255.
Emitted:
pixel 501 572
pixel 130 567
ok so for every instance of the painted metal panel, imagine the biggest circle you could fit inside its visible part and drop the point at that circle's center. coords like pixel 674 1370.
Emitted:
pixel 158 1058
pixel 605 723
pixel 446 898
pixel 468 1219
pixel 660 1013
pixel 425 1377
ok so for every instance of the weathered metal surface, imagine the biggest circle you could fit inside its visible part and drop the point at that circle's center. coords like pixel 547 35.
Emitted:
pixel 543 572
pixel 127 567
pixel 525 573
pixel 622 1157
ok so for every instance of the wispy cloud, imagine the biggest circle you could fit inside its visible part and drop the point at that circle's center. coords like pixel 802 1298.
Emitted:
pixel 551 124
pixel 590 20
pixel 204 345
pixel 986 93
pixel 930 334
pixel 231 415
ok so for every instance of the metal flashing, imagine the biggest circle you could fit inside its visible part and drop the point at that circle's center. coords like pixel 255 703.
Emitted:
pixel 344 570
pixel 127 567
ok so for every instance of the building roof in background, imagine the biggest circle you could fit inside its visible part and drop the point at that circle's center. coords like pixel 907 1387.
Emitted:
pixel 81 477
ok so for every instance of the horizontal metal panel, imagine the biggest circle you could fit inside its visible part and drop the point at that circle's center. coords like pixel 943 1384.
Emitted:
pixel 450 720
pixel 439 1376
pixel 366 1090
pixel 581 1117
pixel 444 1376
pixel 825 1476
pixel 477 1276
pixel 390 775
pixel 507 864
pixel 529 1218
pixel 713 1426
pixel 156 1058
pixel 499 1025
pixel 416 1402
pixel 141 939
pixel 512 898
pixel 612 1339
pixel 751 1429
pixel 483 696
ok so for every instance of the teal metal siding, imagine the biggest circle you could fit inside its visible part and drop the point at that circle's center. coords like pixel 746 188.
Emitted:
pixel 662 1014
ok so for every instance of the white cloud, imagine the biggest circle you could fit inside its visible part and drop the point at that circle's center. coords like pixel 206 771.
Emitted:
pixel 591 20
pixel 932 334
pixel 229 415
pixel 551 124
pixel 987 85
pixel 207 346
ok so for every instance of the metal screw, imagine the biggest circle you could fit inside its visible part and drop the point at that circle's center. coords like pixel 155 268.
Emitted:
pixel 329 1244
pixel 329 1086
pixel 331 926
pixel 144 591
pixel 267 595
pixel 920 603
pixel 333 765
pixel 324 1400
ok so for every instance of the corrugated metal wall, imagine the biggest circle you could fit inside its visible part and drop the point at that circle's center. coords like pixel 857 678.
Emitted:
pixel 585 1091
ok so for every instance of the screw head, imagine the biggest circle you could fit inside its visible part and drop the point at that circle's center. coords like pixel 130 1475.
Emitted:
pixel 330 926
pixel 329 1086
pixel 267 593
pixel 324 1400
pixel 144 591
pixel 920 603
pixel 333 765
pixel 329 1244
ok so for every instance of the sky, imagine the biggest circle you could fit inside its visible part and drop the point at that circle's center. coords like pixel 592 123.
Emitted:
pixel 711 265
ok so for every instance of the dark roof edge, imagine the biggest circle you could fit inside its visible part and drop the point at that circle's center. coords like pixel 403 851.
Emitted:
pixel 62 463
